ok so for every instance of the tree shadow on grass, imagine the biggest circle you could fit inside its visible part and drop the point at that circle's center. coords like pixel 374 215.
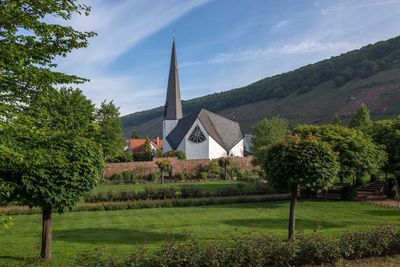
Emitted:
pixel 384 212
pixel 282 224
pixel 112 236
pixel 271 204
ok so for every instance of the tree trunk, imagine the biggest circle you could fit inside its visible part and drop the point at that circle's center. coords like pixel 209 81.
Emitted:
pixel 46 235
pixel 386 181
pixel 162 175
pixel 225 172
pixel 292 214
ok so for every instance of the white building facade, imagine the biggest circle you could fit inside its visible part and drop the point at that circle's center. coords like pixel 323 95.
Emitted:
pixel 201 135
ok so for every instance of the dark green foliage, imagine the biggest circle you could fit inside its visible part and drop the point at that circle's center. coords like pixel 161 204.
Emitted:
pixel 175 154
pixel 147 146
pixel 307 162
pixel 142 156
pixel 261 250
pixel 387 134
pixel 203 175
pixel 180 176
pixel 361 120
pixel 266 133
pixel 359 63
pixel 157 203
pixel 348 193
pixel 120 157
pixel 358 155
pixel 109 134
pixel 153 176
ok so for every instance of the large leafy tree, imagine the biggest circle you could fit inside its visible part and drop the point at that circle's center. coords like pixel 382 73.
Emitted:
pixel 300 163
pixel 62 161
pixel 109 134
pixel 387 133
pixel 268 132
pixel 29 44
pixel 358 154
pixel 361 119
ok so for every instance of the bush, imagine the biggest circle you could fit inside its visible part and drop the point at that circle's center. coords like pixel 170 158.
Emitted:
pixel 117 177
pixel 180 176
pixel 142 156
pixel 203 175
pixel 260 250
pixel 348 193
pixel 127 176
pixel 153 176
pixel 175 154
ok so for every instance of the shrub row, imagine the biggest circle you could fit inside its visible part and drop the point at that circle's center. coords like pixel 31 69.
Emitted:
pixel 159 203
pixel 169 193
pixel 258 250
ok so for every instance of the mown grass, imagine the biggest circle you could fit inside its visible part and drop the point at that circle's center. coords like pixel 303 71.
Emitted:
pixel 120 232
pixel 210 186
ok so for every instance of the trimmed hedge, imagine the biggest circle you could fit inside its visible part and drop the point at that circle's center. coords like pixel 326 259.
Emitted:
pixel 258 250
pixel 167 193
pixel 159 203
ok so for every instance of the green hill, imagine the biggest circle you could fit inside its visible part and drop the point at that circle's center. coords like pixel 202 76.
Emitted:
pixel 310 94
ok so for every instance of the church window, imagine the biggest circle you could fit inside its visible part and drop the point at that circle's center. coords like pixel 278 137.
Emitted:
pixel 197 135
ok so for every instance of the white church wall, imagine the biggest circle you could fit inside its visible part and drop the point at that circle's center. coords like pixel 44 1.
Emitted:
pixel 237 150
pixel 168 126
pixel 194 150
pixel 215 150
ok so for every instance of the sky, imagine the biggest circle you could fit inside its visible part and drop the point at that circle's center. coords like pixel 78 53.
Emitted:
pixel 221 44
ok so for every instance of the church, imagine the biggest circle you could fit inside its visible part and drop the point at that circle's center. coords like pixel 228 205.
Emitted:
pixel 202 134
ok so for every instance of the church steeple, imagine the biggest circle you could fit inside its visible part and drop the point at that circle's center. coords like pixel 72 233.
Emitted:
pixel 173 105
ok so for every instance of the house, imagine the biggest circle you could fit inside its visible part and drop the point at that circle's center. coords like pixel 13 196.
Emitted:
pixel 202 134
pixel 137 145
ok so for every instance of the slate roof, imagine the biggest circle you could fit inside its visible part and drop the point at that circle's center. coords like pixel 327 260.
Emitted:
pixel 225 132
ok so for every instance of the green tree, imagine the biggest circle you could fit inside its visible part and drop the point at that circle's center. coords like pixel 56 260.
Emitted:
pixel 147 145
pixel 62 163
pixel 266 133
pixel 110 134
pixel 163 165
pixel 387 134
pixel 358 154
pixel 361 120
pixel 224 162
pixel 337 121
pixel 134 135
pixel 28 47
pixel 300 163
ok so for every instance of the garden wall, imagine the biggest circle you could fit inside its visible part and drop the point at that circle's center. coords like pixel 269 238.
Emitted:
pixel 185 166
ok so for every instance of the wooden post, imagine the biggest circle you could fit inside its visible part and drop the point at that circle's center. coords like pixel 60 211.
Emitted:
pixel 46 234
pixel 292 214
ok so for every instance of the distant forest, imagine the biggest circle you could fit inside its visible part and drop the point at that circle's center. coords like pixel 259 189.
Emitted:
pixel 360 63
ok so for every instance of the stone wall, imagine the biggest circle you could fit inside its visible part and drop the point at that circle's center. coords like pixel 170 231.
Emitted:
pixel 185 166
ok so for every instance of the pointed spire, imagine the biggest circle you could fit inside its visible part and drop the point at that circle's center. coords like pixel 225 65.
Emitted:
pixel 173 105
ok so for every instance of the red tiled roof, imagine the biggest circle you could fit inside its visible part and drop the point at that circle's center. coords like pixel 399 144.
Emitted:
pixel 136 145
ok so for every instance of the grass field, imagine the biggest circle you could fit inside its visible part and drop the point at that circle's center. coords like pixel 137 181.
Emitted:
pixel 122 231
pixel 210 186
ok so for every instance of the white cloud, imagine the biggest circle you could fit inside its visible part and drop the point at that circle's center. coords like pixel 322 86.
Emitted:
pixel 121 25
pixel 281 24
pixel 342 7
pixel 303 47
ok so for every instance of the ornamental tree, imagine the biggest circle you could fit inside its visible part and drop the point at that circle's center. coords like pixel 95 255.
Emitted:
pixel 268 132
pixel 224 162
pixel 300 163
pixel 62 161
pixel 358 154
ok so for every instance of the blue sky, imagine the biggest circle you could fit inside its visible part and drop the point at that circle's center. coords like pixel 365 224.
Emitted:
pixel 221 44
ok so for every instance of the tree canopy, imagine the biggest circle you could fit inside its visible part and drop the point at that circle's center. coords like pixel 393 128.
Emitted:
pixel 300 162
pixel 109 134
pixel 266 133
pixel 361 119
pixel 358 154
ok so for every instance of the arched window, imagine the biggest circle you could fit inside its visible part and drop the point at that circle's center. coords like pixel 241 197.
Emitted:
pixel 197 135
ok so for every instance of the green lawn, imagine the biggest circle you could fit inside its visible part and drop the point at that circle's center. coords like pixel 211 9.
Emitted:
pixel 122 231
pixel 210 186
